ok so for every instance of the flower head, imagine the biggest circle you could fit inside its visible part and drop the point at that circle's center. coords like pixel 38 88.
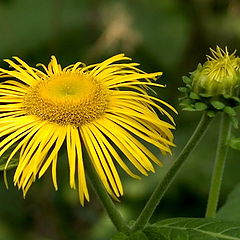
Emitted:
pixel 103 108
pixel 218 75
pixel 214 86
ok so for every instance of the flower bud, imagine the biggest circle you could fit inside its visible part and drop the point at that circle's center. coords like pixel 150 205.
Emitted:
pixel 219 75
pixel 214 86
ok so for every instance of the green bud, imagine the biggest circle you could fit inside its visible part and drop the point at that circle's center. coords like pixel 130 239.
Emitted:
pixel 219 75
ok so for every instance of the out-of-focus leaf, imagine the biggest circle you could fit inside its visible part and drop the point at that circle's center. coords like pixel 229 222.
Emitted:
pixel 201 106
pixel 230 111
pixel 193 95
pixel 218 105
pixel 164 29
pixel 234 143
pixel 26 25
pixel 119 236
pixel 231 209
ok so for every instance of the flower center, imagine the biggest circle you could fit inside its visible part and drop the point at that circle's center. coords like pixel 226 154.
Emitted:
pixel 67 98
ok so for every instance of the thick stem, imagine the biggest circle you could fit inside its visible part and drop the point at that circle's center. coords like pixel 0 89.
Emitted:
pixel 105 199
pixel 171 174
pixel 217 176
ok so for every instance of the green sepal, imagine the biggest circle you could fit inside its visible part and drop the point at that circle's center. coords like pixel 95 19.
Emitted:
pixel 211 113
pixel 205 95
pixel 230 111
pixel 234 122
pixel 185 101
pixel 200 106
pixel 186 80
pixel 193 95
pixel 183 89
pixel 217 105
pixel 236 99
pixel 189 108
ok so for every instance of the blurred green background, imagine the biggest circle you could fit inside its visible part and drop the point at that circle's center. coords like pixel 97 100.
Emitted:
pixel 172 36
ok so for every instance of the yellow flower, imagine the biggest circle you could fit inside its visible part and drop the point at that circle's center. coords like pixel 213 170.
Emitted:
pixel 218 75
pixel 102 107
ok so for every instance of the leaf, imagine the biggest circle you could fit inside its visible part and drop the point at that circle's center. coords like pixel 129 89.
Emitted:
pixel 193 95
pixel 185 101
pixel 201 106
pixel 230 111
pixel 139 235
pixel 231 209
pixel 119 236
pixel 186 80
pixel 234 143
pixel 167 21
pixel 182 89
pixel 193 229
pixel 236 99
pixel 211 113
pixel 218 105
pixel 234 121
pixel 189 108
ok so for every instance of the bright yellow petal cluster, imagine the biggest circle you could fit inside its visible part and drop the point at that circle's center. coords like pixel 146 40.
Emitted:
pixel 103 108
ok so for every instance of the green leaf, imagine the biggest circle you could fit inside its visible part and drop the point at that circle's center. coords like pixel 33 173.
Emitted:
pixel 230 111
pixel 218 105
pixel 234 121
pixel 193 95
pixel 119 236
pixel 204 95
pixel 186 80
pixel 236 99
pixel 185 101
pixel 201 106
pixel 234 143
pixel 211 113
pixel 193 229
pixel 182 89
pixel 189 108
pixel 139 235
pixel 231 209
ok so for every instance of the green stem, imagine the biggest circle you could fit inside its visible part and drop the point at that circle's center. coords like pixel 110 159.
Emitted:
pixel 105 199
pixel 162 187
pixel 217 176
